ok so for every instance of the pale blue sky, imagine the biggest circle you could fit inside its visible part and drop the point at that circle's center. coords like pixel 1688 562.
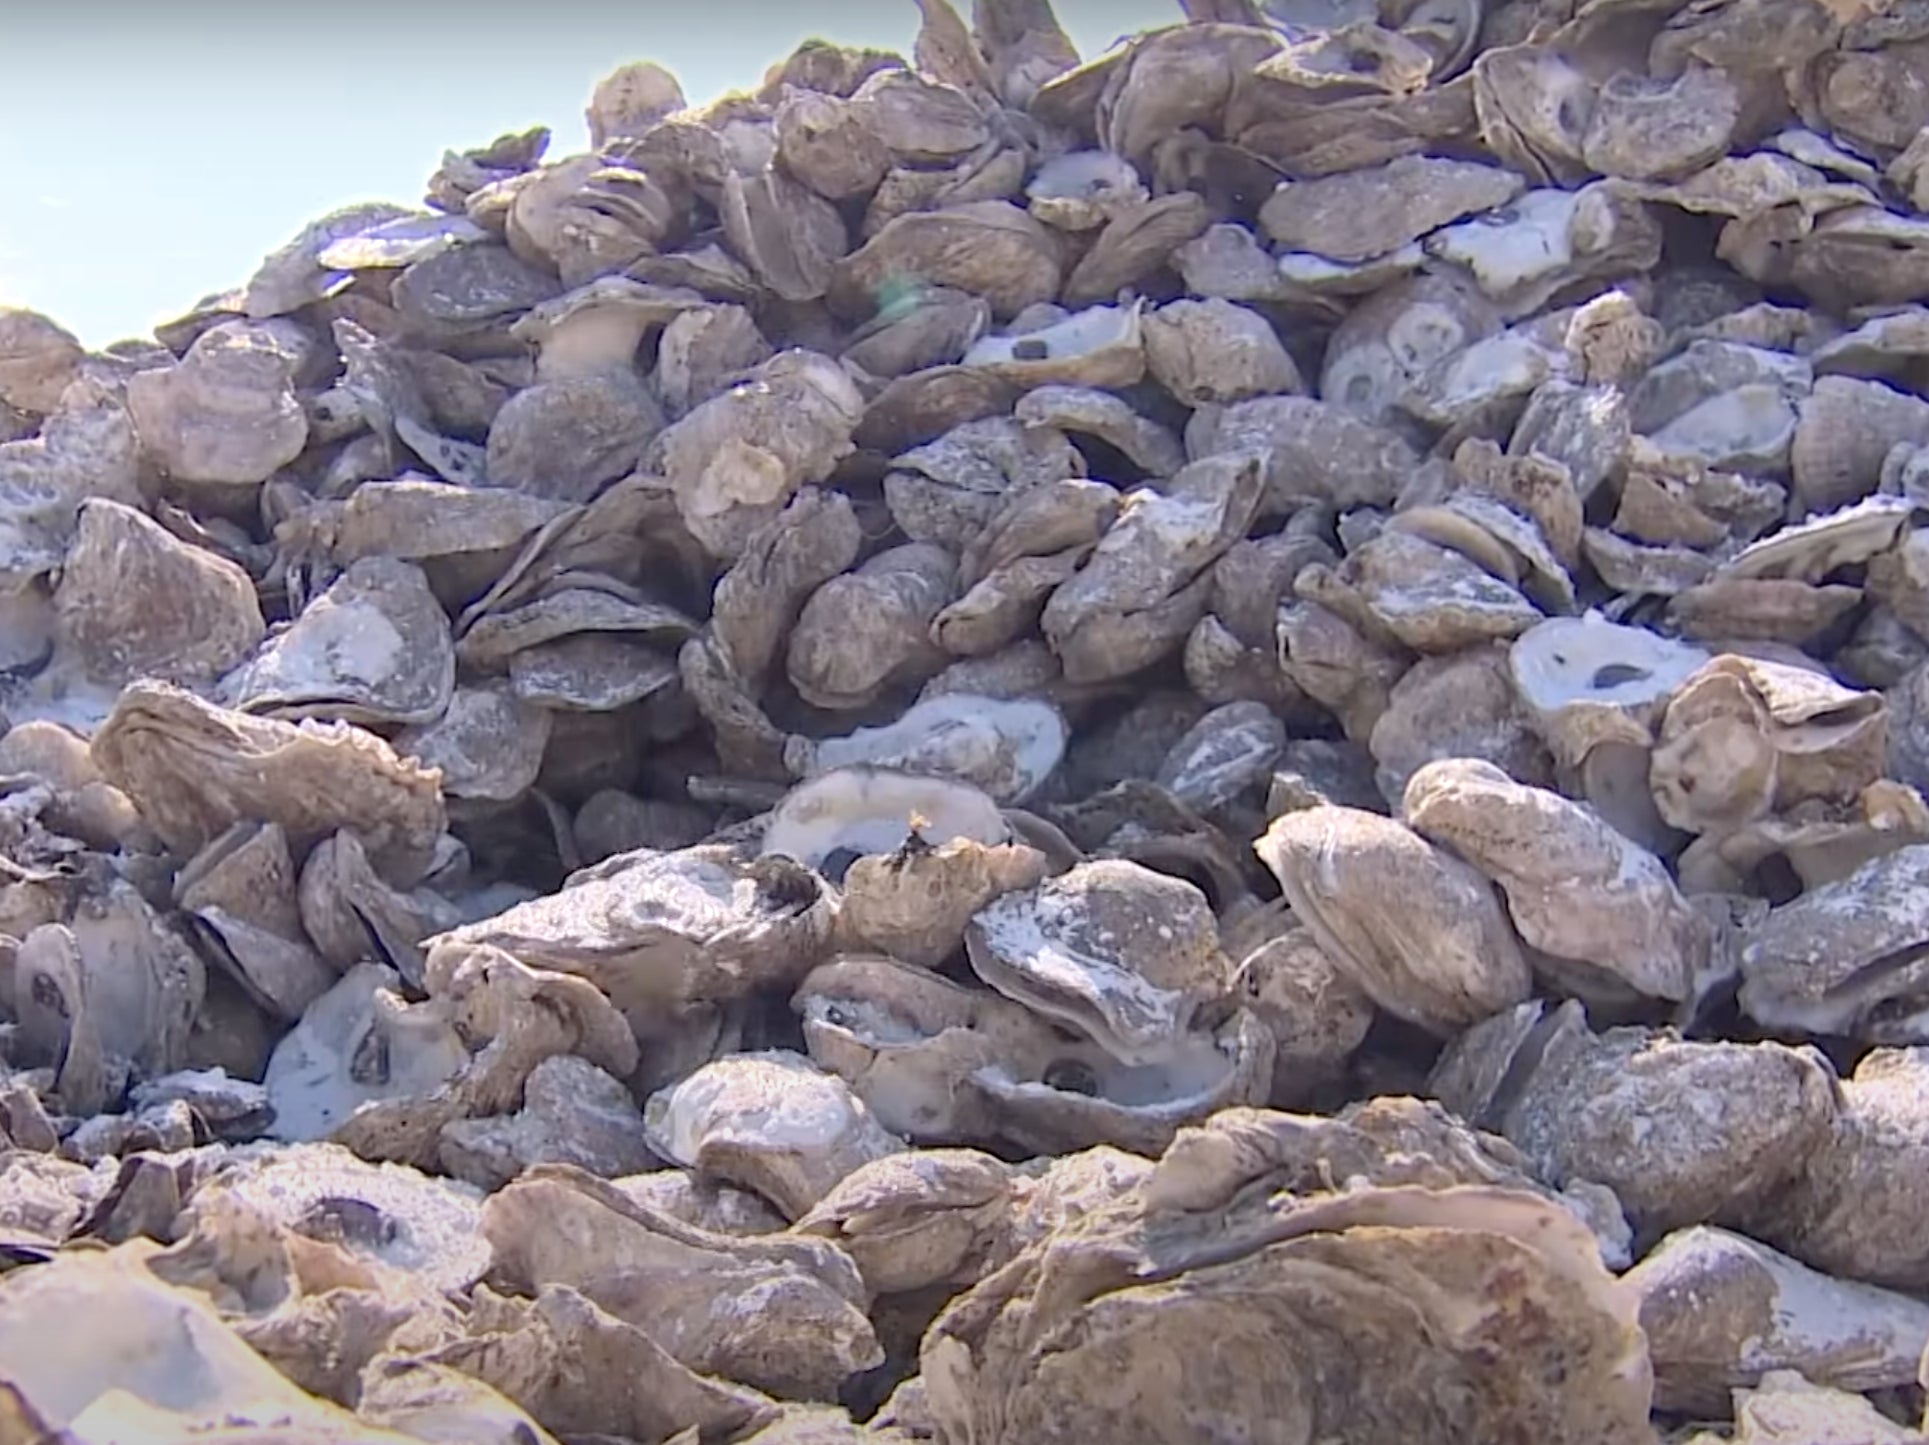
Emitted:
pixel 151 153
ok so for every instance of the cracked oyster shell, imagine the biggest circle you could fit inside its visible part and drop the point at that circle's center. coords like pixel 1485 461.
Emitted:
pixel 772 1123
pixel 164 1364
pixel 1124 955
pixel 351 914
pixel 1577 890
pixel 1008 748
pixel 1446 958
pixel 373 648
pixel 1743 737
pixel 1082 190
pixel 357 1044
pixel 240 891
pixel 194 769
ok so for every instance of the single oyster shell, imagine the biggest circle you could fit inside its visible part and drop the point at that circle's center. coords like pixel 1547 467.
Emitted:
pixel 1721 1311
pixel 104 612
pixel 989 248
pixel 919 1218
pixel 568 437
pixel 787 233
pixel 1100 346
pixel 1125 955
pixel 1850 1210
pixel 772 1123
pixel 227 414
pixel 1446 958
pixel 932 326
pixel 38 358
pixel 590 672
pixel 1841 959
pixel 1084 411
pixel 737 458
pixel 830 143
pixel 1228 751
pixel 1007 748
pixel 488 743
pixel 1683 1132
pixel 373 648
pixel 1460 705
pixel 870 630
pixel 914 904
pixel 494 638
pixel 1313 450
pixel 854 812
pixel 1367 213
pixel 656 931
pixel 1214 352
pixel 1315 1012
pixel 194 769
pixel 1135 246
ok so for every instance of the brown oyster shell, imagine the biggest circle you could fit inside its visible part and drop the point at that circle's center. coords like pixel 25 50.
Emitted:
pixel 1447 958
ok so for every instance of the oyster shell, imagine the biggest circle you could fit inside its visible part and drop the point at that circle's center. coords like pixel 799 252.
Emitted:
pixel 1447 958
pixel 1124 955
pixel 194 769
pixel 771 1123
pixel 1578 891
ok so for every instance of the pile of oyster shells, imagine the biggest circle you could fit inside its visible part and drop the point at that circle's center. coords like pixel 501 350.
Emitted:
pixel 1224 743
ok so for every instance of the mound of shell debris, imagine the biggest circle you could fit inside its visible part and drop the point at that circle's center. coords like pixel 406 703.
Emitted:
pixel 1223 743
